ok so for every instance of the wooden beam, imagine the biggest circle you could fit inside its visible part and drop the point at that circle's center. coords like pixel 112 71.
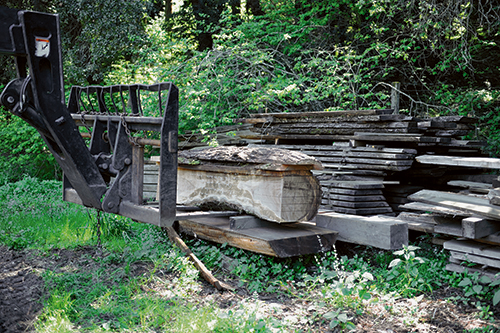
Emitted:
pixel 477 227
pixel 382 232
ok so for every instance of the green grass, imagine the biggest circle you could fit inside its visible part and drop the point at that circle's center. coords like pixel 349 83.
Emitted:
pixel 38 219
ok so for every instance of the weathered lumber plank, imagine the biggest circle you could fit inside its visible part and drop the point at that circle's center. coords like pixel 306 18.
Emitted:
pixel 353 198
pixel 422 207
pixel 355 204
pixel 473 162
pixel 322 113
pixel 359 211
pixel 340 147
pixel 285 240
pixel 357 185
pixel 350 192
pixel 461 256
pixel 473 186
pixel 382 232
pixel 374 161
pixel 342 125
pixel 428 218
pixel 358 154
pixel 475 252
pixel 468 204
pixel 367 166
pixel 333 131
pixel 337 119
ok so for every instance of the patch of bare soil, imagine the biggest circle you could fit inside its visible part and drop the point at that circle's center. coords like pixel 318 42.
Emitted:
pixel 21 292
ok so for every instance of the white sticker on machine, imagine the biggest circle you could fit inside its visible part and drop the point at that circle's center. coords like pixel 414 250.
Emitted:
pixel 42 47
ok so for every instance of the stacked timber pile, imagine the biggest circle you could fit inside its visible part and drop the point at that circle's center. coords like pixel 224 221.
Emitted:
pixel 361 127
pixel 369 145
pixel 469 217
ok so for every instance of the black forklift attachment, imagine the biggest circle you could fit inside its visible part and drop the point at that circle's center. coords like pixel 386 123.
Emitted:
pixel 106 174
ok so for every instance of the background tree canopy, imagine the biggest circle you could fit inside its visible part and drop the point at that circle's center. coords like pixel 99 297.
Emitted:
pixel 231 57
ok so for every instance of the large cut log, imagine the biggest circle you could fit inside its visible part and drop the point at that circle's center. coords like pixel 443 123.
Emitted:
pixel 273 184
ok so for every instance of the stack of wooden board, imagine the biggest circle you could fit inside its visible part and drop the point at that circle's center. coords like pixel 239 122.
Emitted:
pixel 364 127
pixel 354 197
pixel 333 123
pixel 397 194
pixel 345 157
pixel 468 215
pixel 447 126
pixel 150 181
pixel 463 250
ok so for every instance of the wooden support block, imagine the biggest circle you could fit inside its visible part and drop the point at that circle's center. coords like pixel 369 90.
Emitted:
pixel 476 227
pixel 246 222
pixel 382 232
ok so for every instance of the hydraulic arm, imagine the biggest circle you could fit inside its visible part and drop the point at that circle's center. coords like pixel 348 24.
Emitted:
pixel 107 173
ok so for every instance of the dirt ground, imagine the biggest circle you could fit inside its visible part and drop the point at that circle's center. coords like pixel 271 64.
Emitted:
pixel 22 289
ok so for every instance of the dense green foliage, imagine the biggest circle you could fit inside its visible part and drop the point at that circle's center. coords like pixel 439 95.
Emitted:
pixel 287 56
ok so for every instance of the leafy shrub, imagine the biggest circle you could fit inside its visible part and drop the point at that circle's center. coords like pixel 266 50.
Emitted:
pixel 23 152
